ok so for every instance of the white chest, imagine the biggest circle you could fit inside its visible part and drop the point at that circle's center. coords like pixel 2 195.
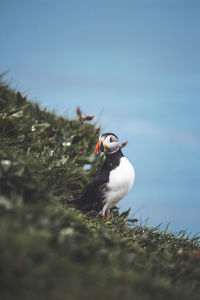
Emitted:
pixel 121 180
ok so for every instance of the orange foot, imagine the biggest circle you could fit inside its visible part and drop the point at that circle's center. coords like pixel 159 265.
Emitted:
pixel 105 217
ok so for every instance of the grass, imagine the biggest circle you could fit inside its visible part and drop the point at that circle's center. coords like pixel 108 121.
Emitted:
pixel 52 251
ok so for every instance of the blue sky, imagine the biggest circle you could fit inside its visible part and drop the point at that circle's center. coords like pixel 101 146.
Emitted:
pixel 135 65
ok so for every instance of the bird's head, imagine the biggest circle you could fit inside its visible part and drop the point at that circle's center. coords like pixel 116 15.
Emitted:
pixel 108 143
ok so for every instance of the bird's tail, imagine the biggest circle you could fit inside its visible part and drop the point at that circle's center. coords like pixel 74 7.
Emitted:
pixel 80 203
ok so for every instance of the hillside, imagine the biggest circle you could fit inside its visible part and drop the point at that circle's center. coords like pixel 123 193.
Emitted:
pixel 52 251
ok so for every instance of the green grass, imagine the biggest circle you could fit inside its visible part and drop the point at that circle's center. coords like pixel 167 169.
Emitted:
pixel 51 251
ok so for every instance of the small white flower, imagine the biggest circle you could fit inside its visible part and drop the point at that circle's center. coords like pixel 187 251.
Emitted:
pixel 64 233
pixel 67 144
pixel 5 163
pixel 5 203
pixel 51 153
pixel 33 128
pixel 67 231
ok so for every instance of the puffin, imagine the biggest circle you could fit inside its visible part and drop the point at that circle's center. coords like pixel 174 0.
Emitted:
pixel 112 182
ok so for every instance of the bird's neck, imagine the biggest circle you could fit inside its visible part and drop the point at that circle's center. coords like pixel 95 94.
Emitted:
pixel 112 160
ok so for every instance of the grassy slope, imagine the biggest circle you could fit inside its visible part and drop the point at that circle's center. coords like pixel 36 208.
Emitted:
pixel 51 251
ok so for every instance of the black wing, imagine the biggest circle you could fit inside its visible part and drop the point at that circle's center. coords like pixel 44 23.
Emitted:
pixel 92 199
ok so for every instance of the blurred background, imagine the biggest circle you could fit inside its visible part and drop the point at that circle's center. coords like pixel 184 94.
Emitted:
pixel 135 65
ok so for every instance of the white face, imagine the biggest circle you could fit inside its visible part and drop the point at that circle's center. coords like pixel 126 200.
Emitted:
pixel 110 144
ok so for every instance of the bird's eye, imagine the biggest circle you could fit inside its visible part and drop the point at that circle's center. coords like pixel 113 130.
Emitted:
pixel 111 140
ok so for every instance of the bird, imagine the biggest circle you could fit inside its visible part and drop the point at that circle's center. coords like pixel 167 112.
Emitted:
pixel 112 182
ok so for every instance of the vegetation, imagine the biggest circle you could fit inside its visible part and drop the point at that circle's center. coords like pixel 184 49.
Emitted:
pixel 49 250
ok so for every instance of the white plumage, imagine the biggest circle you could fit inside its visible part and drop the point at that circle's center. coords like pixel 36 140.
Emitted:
pixel 120 182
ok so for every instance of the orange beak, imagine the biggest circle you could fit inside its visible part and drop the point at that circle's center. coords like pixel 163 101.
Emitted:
pixel 97 148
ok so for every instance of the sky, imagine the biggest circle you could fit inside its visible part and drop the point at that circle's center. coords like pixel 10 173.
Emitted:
pixel 135 65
